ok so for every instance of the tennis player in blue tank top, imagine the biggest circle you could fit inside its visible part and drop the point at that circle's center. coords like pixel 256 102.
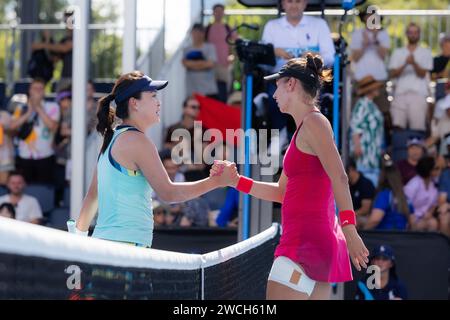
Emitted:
pixel 129 167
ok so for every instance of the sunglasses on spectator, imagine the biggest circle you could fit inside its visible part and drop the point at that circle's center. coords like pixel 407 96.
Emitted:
pixel 195 106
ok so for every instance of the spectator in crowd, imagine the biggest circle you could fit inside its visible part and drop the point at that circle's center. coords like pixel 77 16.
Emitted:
pixel 191 110
pixel 200 59
pixel 6 147
pixel 216 34
pixel 367 130
pixel 27 208
pixel 174 215
pixel 362 191
pixel 441 65
pixel 7 211
pixel 390 286
pixel 62 50
pixel 423 194
pixel 35 126
pixel 409 67
pixel 369 49
pixel 440 130
pixel 391 209
pixel 444 198
pixel 91 108
pixel 407 167
pixel 292 35
pixel 442 104
pixel 195 213
pixel 93 139
pixel 62 142
pixel 159 213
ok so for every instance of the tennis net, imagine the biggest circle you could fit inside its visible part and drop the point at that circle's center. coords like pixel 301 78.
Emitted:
pixel 42 263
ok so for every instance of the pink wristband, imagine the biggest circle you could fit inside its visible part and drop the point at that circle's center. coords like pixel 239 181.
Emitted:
pixel 244 185
pixel 347 217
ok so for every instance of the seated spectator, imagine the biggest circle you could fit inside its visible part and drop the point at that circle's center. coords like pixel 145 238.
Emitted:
pixel 174 214
pixel 362 192
pixel 7 211
pixel 195 213
pixel 390 286
pixel 407 167
pixel 192 171
pixel 440 130
pixel 159 214
pixel 367 130
pixel 200 59
pixel 442 104
pixel 409 69
pixel 27 208
pixel 441 65
pixel 191 110
pixel 62 142
pixel 391 209
pixel 6 147
pixel 93 138
pixel 35 126
pixel 444 199
pixel 423 195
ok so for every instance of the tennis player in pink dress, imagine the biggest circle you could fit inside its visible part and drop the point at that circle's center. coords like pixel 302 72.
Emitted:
pixel 316 246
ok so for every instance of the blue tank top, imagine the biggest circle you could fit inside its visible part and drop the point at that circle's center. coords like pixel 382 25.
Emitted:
pixel 124 200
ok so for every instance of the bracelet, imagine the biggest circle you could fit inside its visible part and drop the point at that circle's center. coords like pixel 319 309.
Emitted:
pixel 244 185
pixel 347 217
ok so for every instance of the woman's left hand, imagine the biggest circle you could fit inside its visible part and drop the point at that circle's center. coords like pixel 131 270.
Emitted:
pixel 356 248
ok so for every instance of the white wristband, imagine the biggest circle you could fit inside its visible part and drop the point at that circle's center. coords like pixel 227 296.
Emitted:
pixel 71 227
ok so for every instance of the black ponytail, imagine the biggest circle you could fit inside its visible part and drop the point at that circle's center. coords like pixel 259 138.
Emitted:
pixel 106 114
pixel 105 117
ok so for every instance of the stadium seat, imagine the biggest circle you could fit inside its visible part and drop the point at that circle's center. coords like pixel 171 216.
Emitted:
pixel 45 194
pixel 2 96
pixel 103 87
pixel 21 87
pixel 66 199
pixel 58 218
pixel 3 191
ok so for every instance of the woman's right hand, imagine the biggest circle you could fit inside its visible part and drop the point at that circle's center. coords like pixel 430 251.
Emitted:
pixel 224 173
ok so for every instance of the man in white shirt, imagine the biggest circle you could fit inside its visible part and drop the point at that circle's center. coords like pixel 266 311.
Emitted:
pixel 27 207
pixel 410 67
pixel 293 35
pixel 369 46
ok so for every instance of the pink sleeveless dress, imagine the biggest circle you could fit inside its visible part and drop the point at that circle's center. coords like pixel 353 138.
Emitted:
pixel 312 236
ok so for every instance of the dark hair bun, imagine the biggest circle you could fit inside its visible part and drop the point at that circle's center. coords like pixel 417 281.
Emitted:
pixel 314 62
